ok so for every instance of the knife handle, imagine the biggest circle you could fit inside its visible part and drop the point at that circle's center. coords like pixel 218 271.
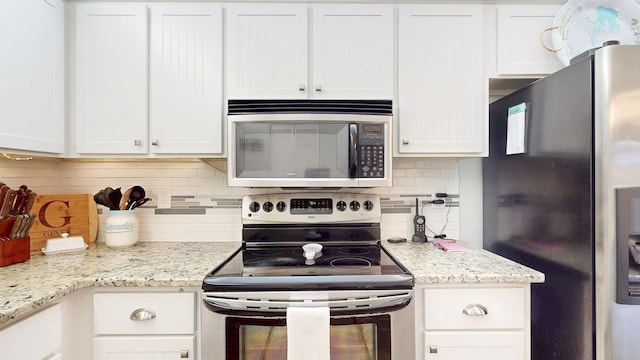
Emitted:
pixel 16 227
pixel 31 199
pixel 7 205
pixel 21 198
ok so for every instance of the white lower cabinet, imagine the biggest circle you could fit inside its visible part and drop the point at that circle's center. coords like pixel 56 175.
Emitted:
pixel 477 345
pixel 459 322
pixel 143 347
pixel 37 337
pixel 144 326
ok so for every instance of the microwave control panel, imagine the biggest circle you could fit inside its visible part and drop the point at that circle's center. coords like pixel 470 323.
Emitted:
pixel 371 154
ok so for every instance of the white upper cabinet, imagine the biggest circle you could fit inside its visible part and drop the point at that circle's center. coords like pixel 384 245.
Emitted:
pixel 519 35
pixel 186 79
pixel 148 84
pixel 266 51
pixel 268 47
pixel 111 78
pixel 442 88
pixel 353 51
pixel 32 75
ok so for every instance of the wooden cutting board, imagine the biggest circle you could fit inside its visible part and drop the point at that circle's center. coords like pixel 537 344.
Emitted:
pixel 75 214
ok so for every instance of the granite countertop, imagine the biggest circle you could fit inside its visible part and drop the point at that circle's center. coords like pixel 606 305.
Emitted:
pixel 28 286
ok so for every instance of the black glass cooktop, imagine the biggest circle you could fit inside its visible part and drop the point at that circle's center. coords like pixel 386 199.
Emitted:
pixel 285 268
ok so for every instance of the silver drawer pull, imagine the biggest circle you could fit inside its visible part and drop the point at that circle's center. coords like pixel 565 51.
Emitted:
pixel 475 310
pixel 184 354
pixel 405 142
pixel 142 314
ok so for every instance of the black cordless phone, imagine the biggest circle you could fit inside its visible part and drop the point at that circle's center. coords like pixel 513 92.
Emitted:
pixel 419 226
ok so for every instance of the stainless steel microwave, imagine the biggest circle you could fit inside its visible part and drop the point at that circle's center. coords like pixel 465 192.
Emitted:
pixel 309 143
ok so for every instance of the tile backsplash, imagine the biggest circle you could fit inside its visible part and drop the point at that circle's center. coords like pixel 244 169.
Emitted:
pixel 204 208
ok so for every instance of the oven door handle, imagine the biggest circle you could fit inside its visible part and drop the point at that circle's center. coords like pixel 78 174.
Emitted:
pixel 242 302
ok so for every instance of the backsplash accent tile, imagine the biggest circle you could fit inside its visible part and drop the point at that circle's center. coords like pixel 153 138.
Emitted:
pixel 204 208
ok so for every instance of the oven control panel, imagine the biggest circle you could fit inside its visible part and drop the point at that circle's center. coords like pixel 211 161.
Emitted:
pixel 310 207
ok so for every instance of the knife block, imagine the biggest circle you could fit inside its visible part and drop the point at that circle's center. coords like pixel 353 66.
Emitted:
pixel 12 251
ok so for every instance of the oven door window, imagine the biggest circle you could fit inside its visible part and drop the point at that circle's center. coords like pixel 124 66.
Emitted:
pixel 292 150
pixel 356 338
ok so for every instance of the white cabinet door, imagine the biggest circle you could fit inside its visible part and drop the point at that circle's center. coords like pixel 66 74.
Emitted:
pixel 111 78
pixel 353 51
pixel 45 327
pixel 518 35
pixel 32 75
pixel 266 51
pixel 186 79
pixel 504 345
pixel 442 89
pixel 143 347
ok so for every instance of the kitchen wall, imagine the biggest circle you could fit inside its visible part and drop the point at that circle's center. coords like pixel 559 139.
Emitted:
pixel 204 208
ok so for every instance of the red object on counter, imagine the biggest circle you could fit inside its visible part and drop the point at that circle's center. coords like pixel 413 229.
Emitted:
pixel 12 251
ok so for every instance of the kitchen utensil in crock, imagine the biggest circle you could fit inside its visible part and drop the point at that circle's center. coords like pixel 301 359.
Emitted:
pixel 125 199
pixel 139 203
pixel 115 196
pixel 106 199
pixel 98 198
pixel 137 193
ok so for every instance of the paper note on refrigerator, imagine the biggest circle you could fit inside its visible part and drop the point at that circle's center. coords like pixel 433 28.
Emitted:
pixel 516 125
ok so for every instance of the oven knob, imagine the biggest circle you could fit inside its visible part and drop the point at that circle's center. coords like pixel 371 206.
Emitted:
pixel 267 206
pixel 368 205
pixel 341 205
pixel 254 206
pixel 281 206
pixel 354 205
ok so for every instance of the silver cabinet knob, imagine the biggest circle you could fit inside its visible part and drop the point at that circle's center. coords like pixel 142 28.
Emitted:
pixel 475 310
pixel 405 142
pixel 301 87
pixel 318 88
pixel 433 349
pixel 155 142
pixel 142 314
pixel 137 142
pixel 184 354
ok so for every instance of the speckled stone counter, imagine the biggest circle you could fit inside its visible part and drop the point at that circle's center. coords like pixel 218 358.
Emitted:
pixel 430 264
pixel 28 286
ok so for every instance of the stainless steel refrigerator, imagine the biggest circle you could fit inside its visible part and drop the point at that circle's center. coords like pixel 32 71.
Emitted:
pixel 562 195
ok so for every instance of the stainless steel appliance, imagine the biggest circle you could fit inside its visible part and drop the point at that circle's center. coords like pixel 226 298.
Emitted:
pixel 309 143
pixel 550 186
pixel 368 293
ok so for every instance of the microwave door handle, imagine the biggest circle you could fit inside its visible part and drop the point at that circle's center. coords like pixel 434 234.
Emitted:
pixel 353 151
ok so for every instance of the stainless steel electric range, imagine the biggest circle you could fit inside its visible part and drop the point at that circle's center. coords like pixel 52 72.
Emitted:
pixel 309 250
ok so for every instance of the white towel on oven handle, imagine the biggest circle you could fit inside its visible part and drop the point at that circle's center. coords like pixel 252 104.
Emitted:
pixel 308 330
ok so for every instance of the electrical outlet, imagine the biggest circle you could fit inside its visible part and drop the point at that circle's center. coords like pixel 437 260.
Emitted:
pixel 434 191
pixel 164 198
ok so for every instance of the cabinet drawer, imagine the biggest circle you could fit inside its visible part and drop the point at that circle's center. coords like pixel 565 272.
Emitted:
pixel 169 313
pixel 444 308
